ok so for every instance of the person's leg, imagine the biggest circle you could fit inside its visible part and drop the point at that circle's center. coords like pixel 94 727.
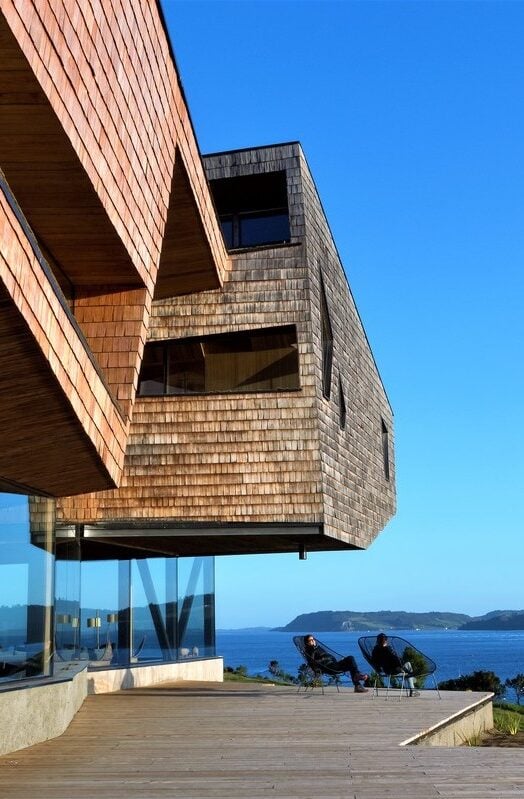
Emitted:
pixel 349 664
pixel 410 680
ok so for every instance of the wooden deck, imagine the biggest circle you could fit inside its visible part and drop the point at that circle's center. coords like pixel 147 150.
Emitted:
pixel 226 741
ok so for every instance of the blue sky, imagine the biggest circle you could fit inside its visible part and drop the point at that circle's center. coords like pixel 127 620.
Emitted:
pixel 411 117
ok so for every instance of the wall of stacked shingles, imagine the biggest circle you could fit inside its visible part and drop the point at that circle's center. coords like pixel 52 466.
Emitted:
pixel 358 498
pixel 238 457
pixel 267 457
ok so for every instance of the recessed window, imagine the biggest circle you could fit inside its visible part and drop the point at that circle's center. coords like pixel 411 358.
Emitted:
pixel 385 448
pixel 253 209
pixel 326 333
pixel 252 360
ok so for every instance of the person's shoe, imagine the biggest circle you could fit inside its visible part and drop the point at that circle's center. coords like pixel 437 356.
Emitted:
pixel 414 693
pixel 359 689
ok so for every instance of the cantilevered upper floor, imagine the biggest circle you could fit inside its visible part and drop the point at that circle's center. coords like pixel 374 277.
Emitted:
pixel 261 422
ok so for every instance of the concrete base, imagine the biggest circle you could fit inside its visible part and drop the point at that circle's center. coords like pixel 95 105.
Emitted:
pixel 464 728
pixel 109 680
pixel 39 712
pixel 34 713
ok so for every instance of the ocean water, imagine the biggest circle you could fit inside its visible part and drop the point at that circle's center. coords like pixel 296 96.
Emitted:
pixel 455 652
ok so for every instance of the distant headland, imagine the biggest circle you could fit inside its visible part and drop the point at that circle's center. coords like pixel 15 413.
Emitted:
pixel 349 620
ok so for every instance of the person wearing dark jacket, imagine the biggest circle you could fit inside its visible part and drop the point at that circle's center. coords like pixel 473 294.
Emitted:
pixel 385 659
pixel 325 660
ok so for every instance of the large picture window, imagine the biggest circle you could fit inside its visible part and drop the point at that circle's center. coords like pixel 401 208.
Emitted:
pixel 252 360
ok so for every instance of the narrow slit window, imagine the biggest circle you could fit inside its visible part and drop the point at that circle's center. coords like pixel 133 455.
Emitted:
pixel 341 405
pixel 326 333
pixel 385 448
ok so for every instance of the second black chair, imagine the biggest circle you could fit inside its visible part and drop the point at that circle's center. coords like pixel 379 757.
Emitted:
pixel 404 663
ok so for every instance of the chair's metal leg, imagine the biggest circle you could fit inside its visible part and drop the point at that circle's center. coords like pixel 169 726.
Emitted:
pixel 375 687
pixel 436 686
pixel 387 685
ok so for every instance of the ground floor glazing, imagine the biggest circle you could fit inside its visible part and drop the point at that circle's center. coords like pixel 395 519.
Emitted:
pixel 62 604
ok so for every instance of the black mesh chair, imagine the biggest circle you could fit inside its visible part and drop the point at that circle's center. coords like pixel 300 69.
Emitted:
pixel 314 673
pixel 419 666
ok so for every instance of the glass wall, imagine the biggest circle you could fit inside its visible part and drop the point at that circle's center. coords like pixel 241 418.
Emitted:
pixel 26 586
pixel 67 602
pixel 100 612
pixel 196 603
pixel 150 609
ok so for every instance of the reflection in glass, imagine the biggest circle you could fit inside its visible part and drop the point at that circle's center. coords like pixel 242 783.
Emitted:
pixel 103 600
pixel 196 620
pixel 140 610
pixel 151 596
pixel 26 585
pixel 270 227
pixel 67 603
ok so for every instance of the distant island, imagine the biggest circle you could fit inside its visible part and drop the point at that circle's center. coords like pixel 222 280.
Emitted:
pixel 349 620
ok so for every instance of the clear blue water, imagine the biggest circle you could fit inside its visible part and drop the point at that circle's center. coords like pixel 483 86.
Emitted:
pixel 455 652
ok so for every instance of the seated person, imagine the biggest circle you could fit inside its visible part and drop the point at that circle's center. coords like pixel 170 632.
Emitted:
pixel 386 660
pixel 318 654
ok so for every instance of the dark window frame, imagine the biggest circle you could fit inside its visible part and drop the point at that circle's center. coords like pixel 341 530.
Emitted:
pixel 238 243
pixel 167 346
pixel 243 198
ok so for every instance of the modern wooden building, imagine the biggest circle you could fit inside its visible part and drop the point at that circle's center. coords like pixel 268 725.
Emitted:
pixel 183 371
pixel 261 423
pixel 104 206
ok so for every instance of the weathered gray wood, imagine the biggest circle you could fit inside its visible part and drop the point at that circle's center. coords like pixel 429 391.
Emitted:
pixel 226 740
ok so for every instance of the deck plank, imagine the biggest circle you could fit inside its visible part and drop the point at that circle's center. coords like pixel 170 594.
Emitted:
pixel 227 740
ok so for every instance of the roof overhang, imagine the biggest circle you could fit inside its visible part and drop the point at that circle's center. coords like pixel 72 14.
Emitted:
pixel 127 539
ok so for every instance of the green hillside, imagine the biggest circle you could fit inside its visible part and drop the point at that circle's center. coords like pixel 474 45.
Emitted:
pixel 340 620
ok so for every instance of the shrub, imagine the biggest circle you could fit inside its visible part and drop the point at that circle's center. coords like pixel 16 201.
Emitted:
pixel 275 669
pixel 517 684
pixel 477 681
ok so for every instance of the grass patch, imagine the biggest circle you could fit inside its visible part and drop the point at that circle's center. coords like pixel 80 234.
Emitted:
pixel 231 676
pixel 508 720
pixel 510 706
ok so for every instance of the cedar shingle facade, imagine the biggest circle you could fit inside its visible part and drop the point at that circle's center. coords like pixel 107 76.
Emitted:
pixel 269 470
pixel 110 238
pixel 104 194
